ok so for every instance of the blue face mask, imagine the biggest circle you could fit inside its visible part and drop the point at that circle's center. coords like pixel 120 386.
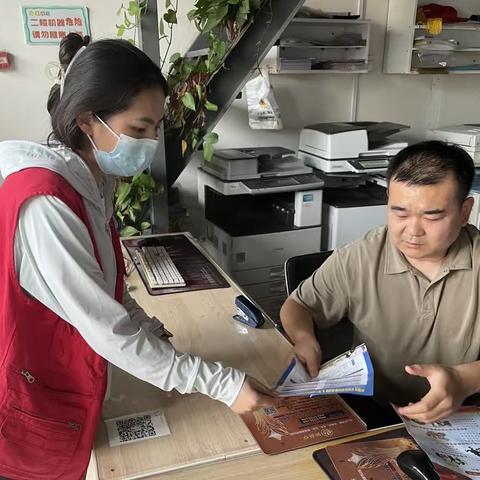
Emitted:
pixel 129 157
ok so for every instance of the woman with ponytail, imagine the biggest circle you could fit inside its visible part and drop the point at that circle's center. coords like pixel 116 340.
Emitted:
pixel 64 310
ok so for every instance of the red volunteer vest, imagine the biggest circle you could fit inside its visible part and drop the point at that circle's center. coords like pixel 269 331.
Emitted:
pixel 52 384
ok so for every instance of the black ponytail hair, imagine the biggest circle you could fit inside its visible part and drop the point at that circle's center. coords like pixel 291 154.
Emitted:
pixel 69 46
pixel 103 79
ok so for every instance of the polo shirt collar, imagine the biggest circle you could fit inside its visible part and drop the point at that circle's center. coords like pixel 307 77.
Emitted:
pixel 395 261
pixel 459 256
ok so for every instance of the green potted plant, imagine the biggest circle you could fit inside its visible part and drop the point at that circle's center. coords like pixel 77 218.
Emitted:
pixel 221 21
pixel 132 204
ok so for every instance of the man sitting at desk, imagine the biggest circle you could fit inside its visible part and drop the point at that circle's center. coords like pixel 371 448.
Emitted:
pixel 410 288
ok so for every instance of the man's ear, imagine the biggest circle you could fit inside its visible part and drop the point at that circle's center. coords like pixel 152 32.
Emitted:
pixel 466 210
pixel 86 121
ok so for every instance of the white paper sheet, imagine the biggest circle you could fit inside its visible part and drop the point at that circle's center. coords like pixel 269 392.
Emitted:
pixel 351 372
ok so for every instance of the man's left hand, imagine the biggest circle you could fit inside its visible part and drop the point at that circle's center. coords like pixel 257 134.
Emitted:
pixel 447 393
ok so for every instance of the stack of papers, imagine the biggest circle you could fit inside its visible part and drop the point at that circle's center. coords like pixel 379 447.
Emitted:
pixel 453 442
pixel 351 372
pixel 295 64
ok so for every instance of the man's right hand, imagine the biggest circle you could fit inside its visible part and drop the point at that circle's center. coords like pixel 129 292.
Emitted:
pixel 298 323
pixel 307 350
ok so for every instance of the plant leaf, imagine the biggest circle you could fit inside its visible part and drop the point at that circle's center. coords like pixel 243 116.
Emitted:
pixel 211 137
pixel 133 9
pixel 170 16
pixel 131 214
pixel 122 193
pixel 208 151
pixel 208 141
pixel 189 101
pixel 128 231
pixel 214 19
pixel 186 69
pixel 211 106
pixel 145 196
pixel 175 57
pixel 145 226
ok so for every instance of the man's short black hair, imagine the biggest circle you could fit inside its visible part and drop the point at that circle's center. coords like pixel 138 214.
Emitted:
pixel 429 163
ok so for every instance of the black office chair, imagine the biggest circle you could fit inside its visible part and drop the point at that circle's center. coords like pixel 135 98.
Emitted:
pixel 334 340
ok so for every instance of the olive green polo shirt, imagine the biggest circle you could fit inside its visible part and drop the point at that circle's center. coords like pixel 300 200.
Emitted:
pixel 402 316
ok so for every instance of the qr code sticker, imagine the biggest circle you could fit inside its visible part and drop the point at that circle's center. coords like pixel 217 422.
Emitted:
pixel 135 428
pixel 143 426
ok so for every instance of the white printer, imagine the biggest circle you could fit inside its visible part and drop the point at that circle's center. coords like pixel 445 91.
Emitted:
pixel 256 162
pixel 261 206
pixel 349 146
pixel 466 136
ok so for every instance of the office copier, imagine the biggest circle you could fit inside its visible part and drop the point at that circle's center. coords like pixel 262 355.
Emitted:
pixel 465 136
pixel 340 150
pixel 361 147
pixel 261 206
pixel 350 213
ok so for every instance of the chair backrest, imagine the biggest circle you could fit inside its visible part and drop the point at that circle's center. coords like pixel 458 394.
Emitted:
pixel 336 339
pixel 301 267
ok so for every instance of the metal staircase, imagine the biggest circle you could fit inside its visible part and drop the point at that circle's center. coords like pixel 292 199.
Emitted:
pixel 244 56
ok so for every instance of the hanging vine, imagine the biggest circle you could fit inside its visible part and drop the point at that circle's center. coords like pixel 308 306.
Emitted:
pixel 222 21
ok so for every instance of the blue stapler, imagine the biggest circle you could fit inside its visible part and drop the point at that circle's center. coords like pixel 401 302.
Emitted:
pixel 247 312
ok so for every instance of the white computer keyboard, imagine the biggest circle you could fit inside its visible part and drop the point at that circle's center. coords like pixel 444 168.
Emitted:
pixel 158 267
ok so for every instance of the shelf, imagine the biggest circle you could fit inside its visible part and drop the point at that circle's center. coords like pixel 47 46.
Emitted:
pixel 454 72
pixel 321 41
pixel 453 26
pixel 324 46
pixel 310 72
pixel 473 50
pixel 329 21
pixel 402 50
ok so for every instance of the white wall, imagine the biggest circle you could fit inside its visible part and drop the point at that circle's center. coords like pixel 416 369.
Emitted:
pixel 421 101
pixel 24 89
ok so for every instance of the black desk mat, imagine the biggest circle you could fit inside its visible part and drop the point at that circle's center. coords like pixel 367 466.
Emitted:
pixel 197 271
pixel 322 458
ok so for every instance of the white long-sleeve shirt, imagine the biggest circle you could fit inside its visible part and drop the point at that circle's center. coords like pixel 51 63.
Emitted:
pixel 55 264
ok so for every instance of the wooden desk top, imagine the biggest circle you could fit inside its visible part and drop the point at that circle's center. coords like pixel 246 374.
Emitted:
pixel 297 464
pixel 208 441
pixel 203 430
